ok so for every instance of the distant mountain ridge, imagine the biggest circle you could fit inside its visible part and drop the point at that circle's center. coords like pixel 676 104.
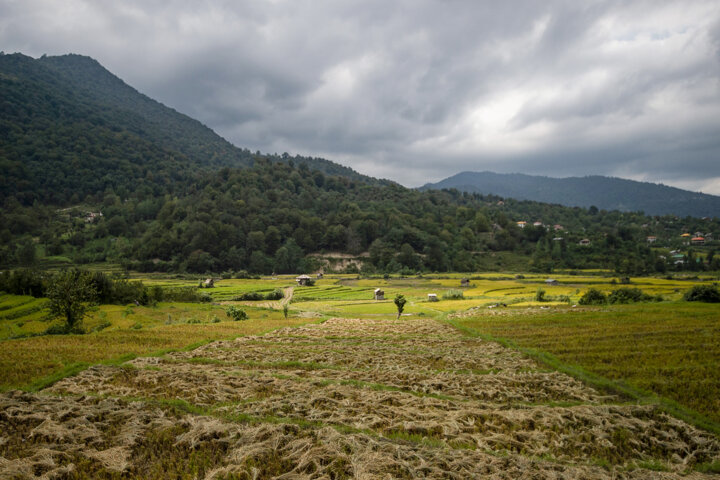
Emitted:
pixel 607 193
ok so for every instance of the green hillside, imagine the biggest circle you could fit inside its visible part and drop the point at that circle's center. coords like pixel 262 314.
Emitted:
pixel 69 128
pixel 167 194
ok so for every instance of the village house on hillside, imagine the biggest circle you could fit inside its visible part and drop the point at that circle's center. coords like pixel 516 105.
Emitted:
pixel 697 241
pixel 584 242
pixel 521 224
pixel 651 239
pixel 91 217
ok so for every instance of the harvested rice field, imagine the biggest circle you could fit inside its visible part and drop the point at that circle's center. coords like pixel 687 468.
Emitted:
pixel 367 398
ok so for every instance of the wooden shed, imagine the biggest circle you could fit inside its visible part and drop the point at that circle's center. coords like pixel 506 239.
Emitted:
pixel 379 294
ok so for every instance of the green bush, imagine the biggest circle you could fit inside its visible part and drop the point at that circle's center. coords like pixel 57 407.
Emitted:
pixel 236 314
pixel 703 293
pixel 184 294
pixel 593 297
pixel 276 294
pixel 630 295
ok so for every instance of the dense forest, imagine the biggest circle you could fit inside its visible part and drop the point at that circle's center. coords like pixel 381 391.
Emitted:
pixel 93 171
pixel 69 128
pixel 269 217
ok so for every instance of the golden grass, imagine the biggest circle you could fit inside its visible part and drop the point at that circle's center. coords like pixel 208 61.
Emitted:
pixel 671 349
pixel 26 360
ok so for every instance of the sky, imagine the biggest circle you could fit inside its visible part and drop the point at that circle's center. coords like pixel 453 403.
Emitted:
pixel 418 90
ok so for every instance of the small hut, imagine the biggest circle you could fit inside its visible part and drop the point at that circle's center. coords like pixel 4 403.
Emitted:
pixel 551 281
pixel 432 297
pixel 320 275
pixel 465 282
pixel 379 294
pixel 302 280
pixel 208 283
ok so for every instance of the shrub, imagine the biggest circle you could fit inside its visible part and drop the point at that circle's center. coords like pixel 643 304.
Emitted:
pixel 453 295
pixel 248 297
pixel 236 314
pixel 276 294
pixel 540 295
pixel 702 293
pixel 184 294
pixel 593 297
pixel 23 282
pixel 629 295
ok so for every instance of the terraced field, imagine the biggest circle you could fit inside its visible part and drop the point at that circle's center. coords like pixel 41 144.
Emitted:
pixel 349 398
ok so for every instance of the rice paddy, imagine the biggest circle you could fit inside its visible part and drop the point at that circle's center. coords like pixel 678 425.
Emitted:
pixel 342 388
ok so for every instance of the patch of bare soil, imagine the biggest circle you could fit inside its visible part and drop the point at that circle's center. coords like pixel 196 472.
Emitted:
pixel 370 399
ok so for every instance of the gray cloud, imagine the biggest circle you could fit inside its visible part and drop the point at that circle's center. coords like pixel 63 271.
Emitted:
pixel 417 90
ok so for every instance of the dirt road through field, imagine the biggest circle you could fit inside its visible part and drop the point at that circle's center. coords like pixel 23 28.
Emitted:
pixel 349 398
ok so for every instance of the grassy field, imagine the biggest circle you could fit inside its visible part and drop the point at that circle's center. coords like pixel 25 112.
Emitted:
pixel 363 394
pixel 670 349
pixel 130 331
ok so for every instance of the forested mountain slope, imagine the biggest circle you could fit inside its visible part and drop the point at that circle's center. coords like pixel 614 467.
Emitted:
pixel 603 192
pixel 69 128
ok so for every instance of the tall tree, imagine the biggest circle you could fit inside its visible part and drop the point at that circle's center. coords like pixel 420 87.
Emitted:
pixel 69 291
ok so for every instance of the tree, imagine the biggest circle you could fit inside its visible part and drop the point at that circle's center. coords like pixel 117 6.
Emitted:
pixel 400 302
pixel 26 253
pixel 69 291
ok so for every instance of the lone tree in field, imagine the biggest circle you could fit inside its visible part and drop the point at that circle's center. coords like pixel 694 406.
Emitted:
pixel 400 302
pixel 69 291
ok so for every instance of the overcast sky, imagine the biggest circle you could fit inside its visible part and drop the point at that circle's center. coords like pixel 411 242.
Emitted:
pixel 419 90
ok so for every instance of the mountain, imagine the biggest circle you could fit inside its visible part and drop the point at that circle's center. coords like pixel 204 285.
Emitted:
pixel 69 128
pixel 607 193
pixel 93 171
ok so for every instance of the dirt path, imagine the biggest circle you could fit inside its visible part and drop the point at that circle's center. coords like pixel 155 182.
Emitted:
pixel 349 398
pixel 287 296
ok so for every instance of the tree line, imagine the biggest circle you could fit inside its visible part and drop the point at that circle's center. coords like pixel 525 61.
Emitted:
pixel 273 216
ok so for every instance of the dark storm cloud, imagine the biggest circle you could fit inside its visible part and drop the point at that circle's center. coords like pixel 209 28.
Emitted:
pixel 419 90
